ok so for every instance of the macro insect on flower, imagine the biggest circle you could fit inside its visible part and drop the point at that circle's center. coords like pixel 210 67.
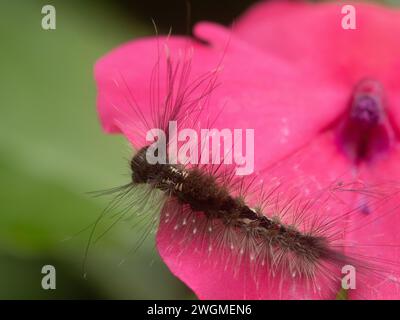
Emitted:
pixel 322 102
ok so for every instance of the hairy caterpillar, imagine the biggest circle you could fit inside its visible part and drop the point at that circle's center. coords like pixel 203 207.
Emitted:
pixel 281 234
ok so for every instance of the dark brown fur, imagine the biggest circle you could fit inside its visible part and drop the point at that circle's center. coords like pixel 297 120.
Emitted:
pixel 203 194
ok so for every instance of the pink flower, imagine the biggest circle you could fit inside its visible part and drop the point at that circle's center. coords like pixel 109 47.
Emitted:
pixel 290 72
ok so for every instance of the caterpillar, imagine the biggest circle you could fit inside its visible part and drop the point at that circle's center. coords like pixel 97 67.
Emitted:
pixel 281 241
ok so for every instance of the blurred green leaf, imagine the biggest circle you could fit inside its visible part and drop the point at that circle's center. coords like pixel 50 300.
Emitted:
pixel 53 151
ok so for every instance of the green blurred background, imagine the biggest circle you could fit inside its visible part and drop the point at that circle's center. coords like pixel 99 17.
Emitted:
pixel 52 149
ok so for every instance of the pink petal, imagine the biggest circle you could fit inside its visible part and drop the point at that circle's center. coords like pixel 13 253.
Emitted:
pixel 317 38
pixel 374 232
pixel 319 44
pixel 208 276
pixel 261 93
pixel 316 43
pixel 288 109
